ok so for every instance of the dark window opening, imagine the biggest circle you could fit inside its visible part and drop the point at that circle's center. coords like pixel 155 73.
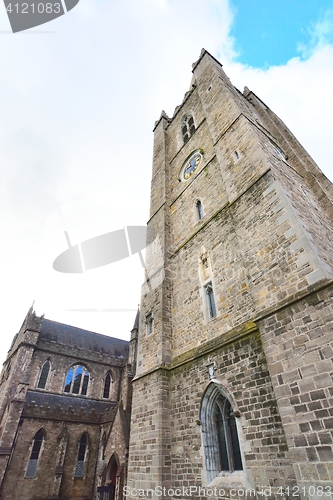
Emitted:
pixel 210 300
pixel 44 374
pixel 220 434
pixel 85 384
pixel 199 209
pixel 229 451
pixel 107 385
pixel 82 447
pixel 34 455
pixel 187 127
pixel 81 456
pixel 37 444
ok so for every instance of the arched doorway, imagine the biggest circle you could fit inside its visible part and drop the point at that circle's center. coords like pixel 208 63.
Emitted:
pixel 108 491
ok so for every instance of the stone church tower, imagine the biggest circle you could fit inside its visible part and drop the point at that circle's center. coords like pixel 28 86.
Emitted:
pixel 233 386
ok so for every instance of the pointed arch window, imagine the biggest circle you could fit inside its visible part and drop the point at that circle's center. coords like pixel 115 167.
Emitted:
pixel 226 430
pixel 220 435
pixel 44 375
pixel 187 127
pixel 35 454
pixel 77 380
pixel 81 456
pixel 107 386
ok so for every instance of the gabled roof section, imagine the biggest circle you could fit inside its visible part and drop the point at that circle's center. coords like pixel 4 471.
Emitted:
pixel 66 335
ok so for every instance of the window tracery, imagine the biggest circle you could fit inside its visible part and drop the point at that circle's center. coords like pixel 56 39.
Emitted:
pixel 77 380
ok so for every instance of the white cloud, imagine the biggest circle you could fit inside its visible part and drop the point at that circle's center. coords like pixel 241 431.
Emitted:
pixel 300 94
pixel 161 5
pixel 321 34
pixel 78 107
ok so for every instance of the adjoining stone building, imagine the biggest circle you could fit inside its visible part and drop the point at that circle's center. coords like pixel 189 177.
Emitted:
pixel 65 413
pixel 233 387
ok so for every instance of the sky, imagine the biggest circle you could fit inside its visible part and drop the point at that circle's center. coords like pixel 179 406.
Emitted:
pixel 79 97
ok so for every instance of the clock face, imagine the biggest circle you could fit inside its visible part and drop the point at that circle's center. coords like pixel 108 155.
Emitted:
pixel 191 165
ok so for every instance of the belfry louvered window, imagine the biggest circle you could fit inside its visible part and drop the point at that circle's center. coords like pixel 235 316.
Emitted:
pixel 43 375
pixel 81 456
pixel 34 455
pixel 77 380
pixel 187 127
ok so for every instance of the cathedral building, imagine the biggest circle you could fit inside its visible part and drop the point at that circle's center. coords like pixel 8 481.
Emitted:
pixel 225 388
pixel 64 415
pixel 233 387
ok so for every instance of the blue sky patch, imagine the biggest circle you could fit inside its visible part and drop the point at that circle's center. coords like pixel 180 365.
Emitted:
pixel 270 33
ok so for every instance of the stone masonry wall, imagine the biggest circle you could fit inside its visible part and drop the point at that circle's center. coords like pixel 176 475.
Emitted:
pixel 279 259
pixel 149 459
pixel 298 343
pixel 41 486
pixel 191 326
pixel 241 371
pixel 296 154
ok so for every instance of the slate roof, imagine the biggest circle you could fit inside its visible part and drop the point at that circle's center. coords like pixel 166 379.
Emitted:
pixel 65 407
pixel 61 334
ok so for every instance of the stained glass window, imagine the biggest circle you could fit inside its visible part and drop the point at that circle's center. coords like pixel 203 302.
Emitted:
pixel 77 380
